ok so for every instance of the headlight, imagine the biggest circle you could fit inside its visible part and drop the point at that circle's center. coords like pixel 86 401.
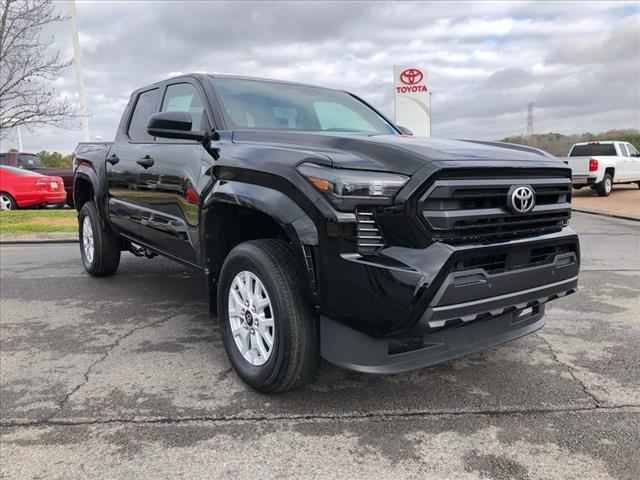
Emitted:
pixel 347 188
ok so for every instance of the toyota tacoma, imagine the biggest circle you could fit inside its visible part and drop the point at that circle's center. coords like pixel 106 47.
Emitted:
pixel 323 230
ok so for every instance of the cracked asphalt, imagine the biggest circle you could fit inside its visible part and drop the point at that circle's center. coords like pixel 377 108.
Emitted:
pixel 126 377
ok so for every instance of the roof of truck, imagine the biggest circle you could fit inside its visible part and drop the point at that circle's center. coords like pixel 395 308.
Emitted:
pixel 237 77
pixel 599 141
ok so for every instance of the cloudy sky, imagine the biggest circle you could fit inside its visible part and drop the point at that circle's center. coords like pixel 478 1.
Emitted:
pixel 579 62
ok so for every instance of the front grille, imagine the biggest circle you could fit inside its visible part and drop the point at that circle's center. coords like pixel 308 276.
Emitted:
pixel 368 234
pixel 458 211
pixel 515 259
pixel 489 263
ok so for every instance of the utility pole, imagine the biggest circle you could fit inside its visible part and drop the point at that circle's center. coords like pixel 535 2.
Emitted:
pixel 84 113
pixel 20 147
pixel 530 123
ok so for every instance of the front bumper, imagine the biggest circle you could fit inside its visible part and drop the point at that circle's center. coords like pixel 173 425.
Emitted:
pixel 421 308
pixel 354 350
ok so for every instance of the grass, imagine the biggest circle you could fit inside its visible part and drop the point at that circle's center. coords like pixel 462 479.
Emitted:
pixel 38 221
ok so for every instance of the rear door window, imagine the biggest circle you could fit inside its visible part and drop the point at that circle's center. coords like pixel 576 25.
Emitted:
pixel 623 150
pixel 146 105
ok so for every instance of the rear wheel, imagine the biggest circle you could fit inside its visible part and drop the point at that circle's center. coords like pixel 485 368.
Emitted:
pixel 605 187
pixel 99 248
pixel 269 330
pixel 7 202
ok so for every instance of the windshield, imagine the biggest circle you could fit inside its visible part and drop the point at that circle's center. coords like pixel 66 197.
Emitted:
pixel 27 160
pixel 268 105
pixel 593 150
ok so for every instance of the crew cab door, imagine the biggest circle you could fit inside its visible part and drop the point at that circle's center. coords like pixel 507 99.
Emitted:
pixel 623 164
pixel 128 180
pixel 635 163
pixel 178 170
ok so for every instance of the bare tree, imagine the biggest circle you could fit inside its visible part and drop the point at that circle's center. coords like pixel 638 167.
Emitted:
pixel 28 67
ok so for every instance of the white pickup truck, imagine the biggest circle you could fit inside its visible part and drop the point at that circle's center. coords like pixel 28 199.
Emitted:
pixel 601 164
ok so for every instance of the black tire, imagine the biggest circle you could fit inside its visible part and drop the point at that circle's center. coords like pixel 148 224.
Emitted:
pixel 638 183
pixel 605 187
pixel 8 202
pixel 294 358
pixel 106 244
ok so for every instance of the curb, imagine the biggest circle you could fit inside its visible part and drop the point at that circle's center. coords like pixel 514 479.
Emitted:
pixel 603 214
pixel 38 242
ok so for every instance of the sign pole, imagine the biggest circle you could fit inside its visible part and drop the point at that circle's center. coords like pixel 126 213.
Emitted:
pixel 430 115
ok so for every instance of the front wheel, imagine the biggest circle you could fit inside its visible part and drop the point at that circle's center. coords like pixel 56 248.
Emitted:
pixel 99 247
pixel 269 330
pixel 605 187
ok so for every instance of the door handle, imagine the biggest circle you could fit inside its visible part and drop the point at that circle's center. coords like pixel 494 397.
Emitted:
pixel 145 161
pixel 113 159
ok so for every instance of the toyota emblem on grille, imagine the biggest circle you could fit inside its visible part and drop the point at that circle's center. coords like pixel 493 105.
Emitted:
pixel 521 199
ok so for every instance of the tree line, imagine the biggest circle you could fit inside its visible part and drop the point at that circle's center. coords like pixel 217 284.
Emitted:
pixel 559 144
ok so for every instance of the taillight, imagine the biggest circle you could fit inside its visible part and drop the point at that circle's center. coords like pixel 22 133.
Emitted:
pixel 593 165
pixel 47 184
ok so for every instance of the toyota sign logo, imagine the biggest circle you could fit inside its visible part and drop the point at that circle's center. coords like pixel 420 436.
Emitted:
pixel 521 199
pixel 411 76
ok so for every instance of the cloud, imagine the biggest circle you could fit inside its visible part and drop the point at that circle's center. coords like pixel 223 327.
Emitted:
pixel 578 62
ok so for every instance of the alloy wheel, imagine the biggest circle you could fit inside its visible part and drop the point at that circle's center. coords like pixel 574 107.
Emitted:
pixel 87 239
pixel 5 202
pixel 251 318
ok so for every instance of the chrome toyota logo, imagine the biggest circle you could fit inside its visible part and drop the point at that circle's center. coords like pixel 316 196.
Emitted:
pixel 521 199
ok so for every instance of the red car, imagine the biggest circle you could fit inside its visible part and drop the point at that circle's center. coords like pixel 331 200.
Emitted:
pixel 21 188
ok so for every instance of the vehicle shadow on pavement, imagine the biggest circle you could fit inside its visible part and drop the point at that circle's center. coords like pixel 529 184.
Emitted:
pixel 142 344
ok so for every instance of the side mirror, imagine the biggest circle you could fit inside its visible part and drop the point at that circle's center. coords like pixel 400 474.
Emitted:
pixel 404 130
pixel 174 125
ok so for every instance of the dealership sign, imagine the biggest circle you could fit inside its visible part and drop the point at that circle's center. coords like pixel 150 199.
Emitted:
pixel 412 106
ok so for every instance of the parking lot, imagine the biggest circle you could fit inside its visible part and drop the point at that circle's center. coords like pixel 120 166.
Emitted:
pixel 126 377
pixel 623 202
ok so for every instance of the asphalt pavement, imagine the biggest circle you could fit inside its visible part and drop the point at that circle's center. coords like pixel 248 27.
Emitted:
pixel 126 377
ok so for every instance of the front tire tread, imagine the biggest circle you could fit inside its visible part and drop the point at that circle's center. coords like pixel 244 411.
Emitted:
pixel 107 244
pixel 297 354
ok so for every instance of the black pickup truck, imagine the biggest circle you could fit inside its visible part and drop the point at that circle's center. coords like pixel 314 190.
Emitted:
pixel 323 230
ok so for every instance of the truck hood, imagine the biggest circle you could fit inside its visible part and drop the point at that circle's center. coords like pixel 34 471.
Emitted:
pixel 397 153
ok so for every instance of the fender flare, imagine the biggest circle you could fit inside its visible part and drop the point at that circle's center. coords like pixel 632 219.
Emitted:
pixel 84 172
pixel 296 222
